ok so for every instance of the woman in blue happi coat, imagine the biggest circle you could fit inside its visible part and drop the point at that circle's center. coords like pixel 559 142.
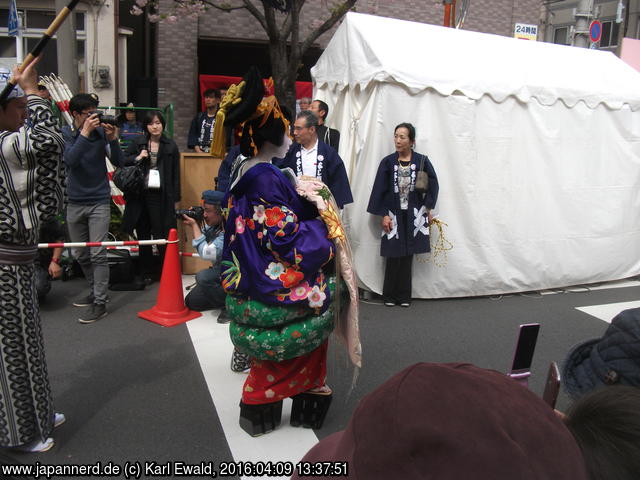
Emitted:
pixel 405 213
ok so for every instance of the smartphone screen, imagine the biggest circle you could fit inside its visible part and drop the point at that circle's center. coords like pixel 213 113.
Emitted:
pixel 525 347
pixel 552 386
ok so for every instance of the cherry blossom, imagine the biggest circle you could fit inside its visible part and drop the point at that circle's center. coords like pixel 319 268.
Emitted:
pixel 300 292
pixel 316 297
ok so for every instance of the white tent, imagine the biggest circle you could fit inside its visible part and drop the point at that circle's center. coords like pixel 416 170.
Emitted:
pixel 536 147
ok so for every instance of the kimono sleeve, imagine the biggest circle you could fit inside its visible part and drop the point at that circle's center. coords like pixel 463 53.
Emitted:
pixel 302 243
pixel 46 143
pixel 381 191
pixel 431 197
pixel 338 182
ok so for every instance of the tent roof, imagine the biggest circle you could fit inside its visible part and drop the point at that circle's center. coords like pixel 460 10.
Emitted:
pixel 368 48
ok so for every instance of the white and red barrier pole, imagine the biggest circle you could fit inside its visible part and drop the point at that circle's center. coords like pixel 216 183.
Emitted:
pixel 115 244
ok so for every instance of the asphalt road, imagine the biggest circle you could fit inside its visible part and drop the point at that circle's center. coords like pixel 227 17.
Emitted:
pixel 134 391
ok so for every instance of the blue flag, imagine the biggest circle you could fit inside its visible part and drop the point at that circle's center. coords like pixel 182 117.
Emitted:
pixel 14 25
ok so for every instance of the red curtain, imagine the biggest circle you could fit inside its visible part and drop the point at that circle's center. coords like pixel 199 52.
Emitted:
pixel 303 89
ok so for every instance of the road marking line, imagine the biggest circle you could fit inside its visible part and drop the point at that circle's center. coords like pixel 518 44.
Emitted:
pixel 607 311
pixel 213 348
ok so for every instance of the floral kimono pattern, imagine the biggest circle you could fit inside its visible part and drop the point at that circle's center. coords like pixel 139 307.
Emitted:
pixel 275 251
pixel 275 246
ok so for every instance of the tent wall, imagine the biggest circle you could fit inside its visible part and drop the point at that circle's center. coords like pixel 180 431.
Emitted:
pixel 534 196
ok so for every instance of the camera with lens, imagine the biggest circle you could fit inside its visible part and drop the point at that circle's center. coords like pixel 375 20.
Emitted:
pixel 196 212
pixel 104 118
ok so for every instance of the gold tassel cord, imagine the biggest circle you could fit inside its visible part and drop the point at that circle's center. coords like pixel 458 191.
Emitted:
pixel 439 247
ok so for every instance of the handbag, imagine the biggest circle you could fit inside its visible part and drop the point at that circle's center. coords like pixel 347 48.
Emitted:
pixel 422 179
pixel 130 179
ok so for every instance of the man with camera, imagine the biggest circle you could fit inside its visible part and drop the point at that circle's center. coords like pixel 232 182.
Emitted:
pixel 88 213
pixel 208 241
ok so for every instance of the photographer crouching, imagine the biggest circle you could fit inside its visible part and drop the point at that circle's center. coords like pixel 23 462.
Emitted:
pixel 208 292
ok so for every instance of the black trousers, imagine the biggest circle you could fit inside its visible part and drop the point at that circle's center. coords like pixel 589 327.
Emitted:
pixel 397 280
pixel 150 224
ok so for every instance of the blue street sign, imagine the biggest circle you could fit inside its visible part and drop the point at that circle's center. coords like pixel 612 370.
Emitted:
pixel 595 31
pixel 13 26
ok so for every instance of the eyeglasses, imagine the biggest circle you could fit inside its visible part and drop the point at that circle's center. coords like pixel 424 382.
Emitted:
pixel 297 129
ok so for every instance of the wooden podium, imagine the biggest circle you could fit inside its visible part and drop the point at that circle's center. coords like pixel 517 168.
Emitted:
pixel 197 174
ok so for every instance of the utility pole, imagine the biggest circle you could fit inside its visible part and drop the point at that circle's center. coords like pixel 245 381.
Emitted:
pixel 67 49
pixel 622 19
pixel 582 15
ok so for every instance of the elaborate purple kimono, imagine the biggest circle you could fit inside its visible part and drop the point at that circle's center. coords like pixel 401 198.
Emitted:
pixel 275 245
pixel 330 169
pixel 412 236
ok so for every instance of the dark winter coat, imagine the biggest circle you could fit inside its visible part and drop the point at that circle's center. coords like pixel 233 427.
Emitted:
pixel 409 237
pixel 613 358
pixel 169 168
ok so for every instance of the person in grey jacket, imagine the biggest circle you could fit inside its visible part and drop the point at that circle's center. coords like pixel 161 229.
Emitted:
pixel 88 210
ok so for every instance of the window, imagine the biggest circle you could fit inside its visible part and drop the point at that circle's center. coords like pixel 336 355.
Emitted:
pixel 39 18
pixel 610 31
pixel 7 47
pixel 561 35
pixel 36 21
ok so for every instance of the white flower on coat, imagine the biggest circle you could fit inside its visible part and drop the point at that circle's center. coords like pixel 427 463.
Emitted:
pixel 316 297
pixel 258 213
pixel 274 270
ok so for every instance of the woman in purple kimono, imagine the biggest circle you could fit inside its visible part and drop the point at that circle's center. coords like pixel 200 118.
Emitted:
pixel 278 270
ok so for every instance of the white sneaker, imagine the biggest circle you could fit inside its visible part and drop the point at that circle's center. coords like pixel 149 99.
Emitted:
pixel 36 446
pixel 58 419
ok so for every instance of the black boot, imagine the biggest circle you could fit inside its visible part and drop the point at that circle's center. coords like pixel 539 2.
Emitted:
pixel 309 409
pixel 260 419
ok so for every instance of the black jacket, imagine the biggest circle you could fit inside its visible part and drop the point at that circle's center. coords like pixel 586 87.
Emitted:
pixel 169 168
pixel 330 136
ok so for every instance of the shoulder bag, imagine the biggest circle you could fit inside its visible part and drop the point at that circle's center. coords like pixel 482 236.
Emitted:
pixel 422 179
pixel 130 179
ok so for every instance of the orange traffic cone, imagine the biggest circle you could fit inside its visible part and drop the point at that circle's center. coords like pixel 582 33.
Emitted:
pixel 170 309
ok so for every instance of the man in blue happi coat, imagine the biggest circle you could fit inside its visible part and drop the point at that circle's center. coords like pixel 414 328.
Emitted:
pixel 312 157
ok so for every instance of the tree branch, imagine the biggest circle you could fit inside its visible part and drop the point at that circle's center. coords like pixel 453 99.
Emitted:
pixel 225 7
pixel 337 13
pixel 289 21
pixel 294 52
pixel 272 26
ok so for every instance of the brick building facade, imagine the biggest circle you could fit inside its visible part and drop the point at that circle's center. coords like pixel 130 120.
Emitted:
pixel 178 43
